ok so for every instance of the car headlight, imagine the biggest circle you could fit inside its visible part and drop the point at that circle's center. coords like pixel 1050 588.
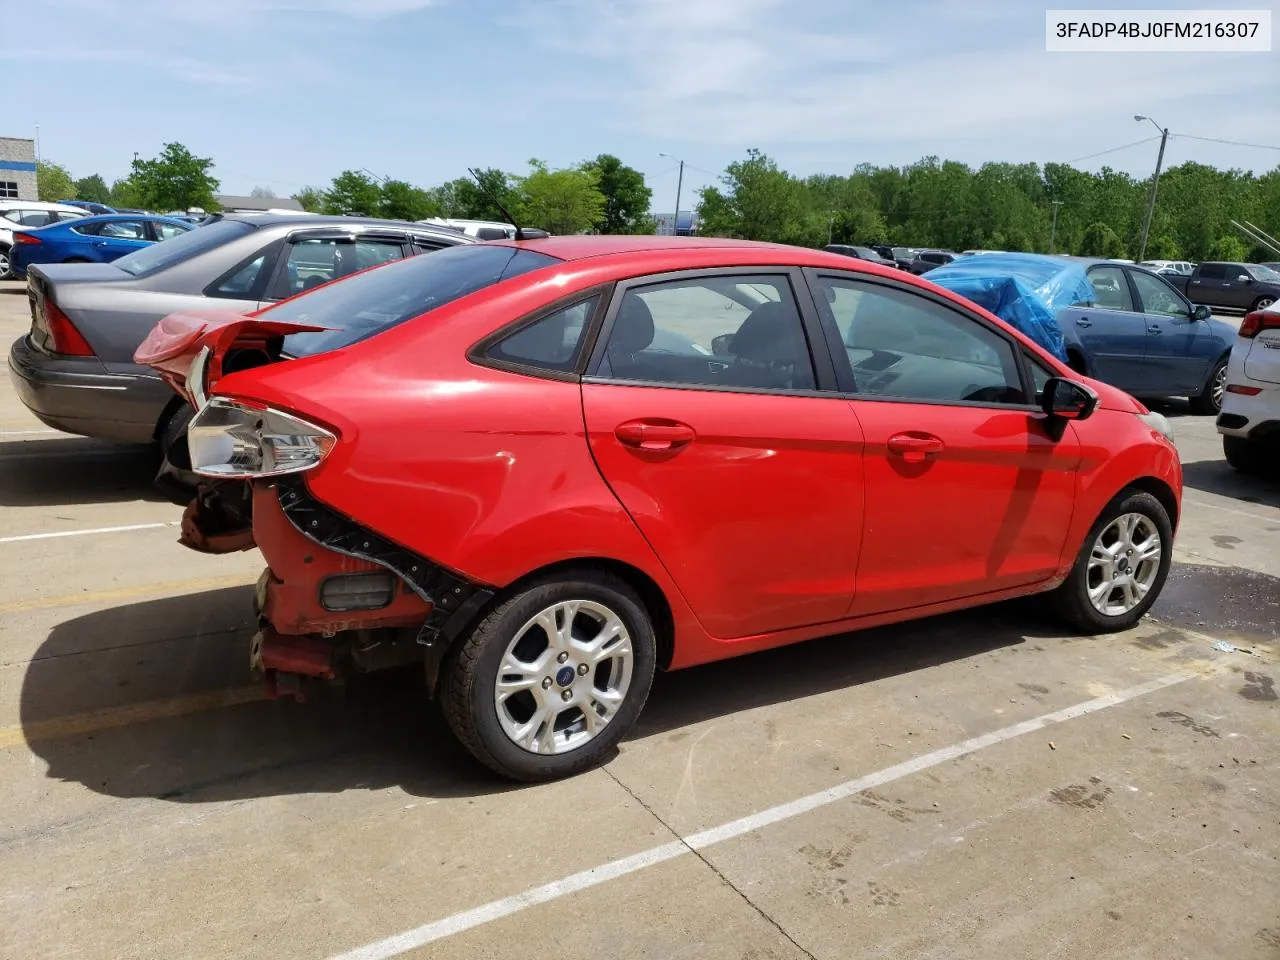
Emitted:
pixel 1159 423
pixel 233 440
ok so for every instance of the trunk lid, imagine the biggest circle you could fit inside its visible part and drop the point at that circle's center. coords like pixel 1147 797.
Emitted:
pixel 194 349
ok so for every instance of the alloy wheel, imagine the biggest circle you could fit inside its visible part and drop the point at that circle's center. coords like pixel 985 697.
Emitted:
pixel 563 677
pixel 1219 387
pixel 4 264
pixel 1123 564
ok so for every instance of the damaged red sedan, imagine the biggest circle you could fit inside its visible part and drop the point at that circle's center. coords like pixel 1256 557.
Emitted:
pixel 548 468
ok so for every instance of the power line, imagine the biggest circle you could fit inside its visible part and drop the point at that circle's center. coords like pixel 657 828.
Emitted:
pixel 1103 153
pixel 1230 143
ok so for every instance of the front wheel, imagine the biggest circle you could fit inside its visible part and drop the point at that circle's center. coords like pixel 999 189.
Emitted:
pixel 4 263
pixel 1121 568
pixel 549 681
pixel 1209 401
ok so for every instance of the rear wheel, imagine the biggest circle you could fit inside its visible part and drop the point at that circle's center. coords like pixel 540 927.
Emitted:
pixel 1121 568
pixel 1262 303
pixel 549 681
pixel 1209 402
pixel 4 262
pixel 175 478
pixel 1245 455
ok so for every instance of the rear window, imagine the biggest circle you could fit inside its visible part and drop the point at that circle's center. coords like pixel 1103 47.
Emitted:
pixel 377 300
pixel 152 259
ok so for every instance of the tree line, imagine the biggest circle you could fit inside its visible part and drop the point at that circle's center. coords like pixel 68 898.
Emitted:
pixel 930 203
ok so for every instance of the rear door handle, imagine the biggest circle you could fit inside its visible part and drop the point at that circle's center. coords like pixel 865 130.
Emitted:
pixel 654 434
pixel 915 447
pixel 1083 322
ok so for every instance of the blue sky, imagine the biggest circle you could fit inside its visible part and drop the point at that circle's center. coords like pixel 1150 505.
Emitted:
pixel 283 93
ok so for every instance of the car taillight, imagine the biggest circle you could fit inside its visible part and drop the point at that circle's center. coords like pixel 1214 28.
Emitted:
pixel 1243 390
pixel 234 440
pixel 64 338
pixel 1254 323
pixel 26 238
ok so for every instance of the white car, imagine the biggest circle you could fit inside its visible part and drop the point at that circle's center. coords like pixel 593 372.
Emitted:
pixel 1177 268
pixel 1250 418
pixel 29 213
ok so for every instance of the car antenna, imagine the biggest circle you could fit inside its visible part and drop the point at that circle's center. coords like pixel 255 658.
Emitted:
pixel 497 203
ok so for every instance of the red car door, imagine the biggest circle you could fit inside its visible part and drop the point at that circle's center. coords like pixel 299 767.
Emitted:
pixel 966 492
pixel 703 416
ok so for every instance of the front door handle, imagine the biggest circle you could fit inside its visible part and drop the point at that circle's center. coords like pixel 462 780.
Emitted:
pixel 656 435
pixel 915 447
pixel 1153 329
pixel 1083 322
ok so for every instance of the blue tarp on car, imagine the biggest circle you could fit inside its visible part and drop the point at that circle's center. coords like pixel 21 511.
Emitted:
pixel 1025 290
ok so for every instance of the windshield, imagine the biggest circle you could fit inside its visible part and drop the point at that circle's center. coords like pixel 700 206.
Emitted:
pixel 158 256
pixel 378 299
pixel 1264 273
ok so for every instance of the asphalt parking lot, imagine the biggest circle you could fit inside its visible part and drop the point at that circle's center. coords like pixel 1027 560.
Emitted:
pixel 977 785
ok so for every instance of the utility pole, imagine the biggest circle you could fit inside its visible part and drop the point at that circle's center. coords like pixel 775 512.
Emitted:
pixel 1155 180
pixel 675 222
pixel 1053 231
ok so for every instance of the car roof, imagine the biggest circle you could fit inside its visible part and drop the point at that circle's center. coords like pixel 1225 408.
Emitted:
pixel 579 247
pixel 112 217
pixel 39 205
pixel 321 220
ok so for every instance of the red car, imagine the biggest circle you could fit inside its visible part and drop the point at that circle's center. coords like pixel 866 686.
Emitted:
pixel 550 467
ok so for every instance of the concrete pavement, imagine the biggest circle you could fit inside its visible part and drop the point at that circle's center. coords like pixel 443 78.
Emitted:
pixel 975 785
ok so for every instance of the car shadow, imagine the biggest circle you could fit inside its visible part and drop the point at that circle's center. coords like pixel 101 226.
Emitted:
pixel 69 470
pixel 126 667
pixel 1218 476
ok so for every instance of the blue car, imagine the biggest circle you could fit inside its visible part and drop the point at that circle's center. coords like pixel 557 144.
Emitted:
pixel 1116 322
pixel 90 239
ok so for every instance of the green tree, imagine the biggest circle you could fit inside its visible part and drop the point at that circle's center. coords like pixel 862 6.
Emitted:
pixel 124 193
pixel 561 201
pixel 464 199
pixel 626 196
pixel 760 202
pixel 93 188
pixel 175 180
pixel 1163 247
pixel 1230 248
pixel 1099 240
pixel 403 201
pixel 353 192
pixel 53 182
pixel 310 199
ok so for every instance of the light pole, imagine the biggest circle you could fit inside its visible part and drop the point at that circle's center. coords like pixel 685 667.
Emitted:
pixel 675 223
pixel 1053 231
pixel 1151 200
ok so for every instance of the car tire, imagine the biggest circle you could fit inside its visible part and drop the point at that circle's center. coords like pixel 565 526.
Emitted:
pixel 1209 401
pixel 508 635
pixel 1073 601
pixel 175 478
pixel 5 272
pixel 1245 455
pixel 1262 303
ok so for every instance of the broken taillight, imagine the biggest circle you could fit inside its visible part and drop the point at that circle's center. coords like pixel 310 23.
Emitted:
pixel 229 439
pixel 64 338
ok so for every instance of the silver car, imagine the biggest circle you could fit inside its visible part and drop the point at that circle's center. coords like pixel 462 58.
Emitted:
pixel 75 368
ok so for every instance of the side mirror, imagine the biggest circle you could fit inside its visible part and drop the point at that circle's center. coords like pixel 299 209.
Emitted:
pixel 1245 278
pixel 722 346
pixel 1065 399
pixel 1201 312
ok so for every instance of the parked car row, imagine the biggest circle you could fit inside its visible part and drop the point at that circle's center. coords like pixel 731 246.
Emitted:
pixel 1250 419
pixel 911 259
pixel 1235 286
pixel 20 214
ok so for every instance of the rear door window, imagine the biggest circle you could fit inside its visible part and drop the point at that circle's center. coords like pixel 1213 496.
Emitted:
pixel 311 262
pixel 159 256
pixel 1110 289
pixel 1213 271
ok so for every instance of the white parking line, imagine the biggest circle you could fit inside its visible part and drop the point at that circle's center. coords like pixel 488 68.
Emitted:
pixel 85 533
pixel 1238 513
pixel 495 910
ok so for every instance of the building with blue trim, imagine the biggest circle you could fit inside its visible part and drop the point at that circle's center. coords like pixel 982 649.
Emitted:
pixel 18 169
